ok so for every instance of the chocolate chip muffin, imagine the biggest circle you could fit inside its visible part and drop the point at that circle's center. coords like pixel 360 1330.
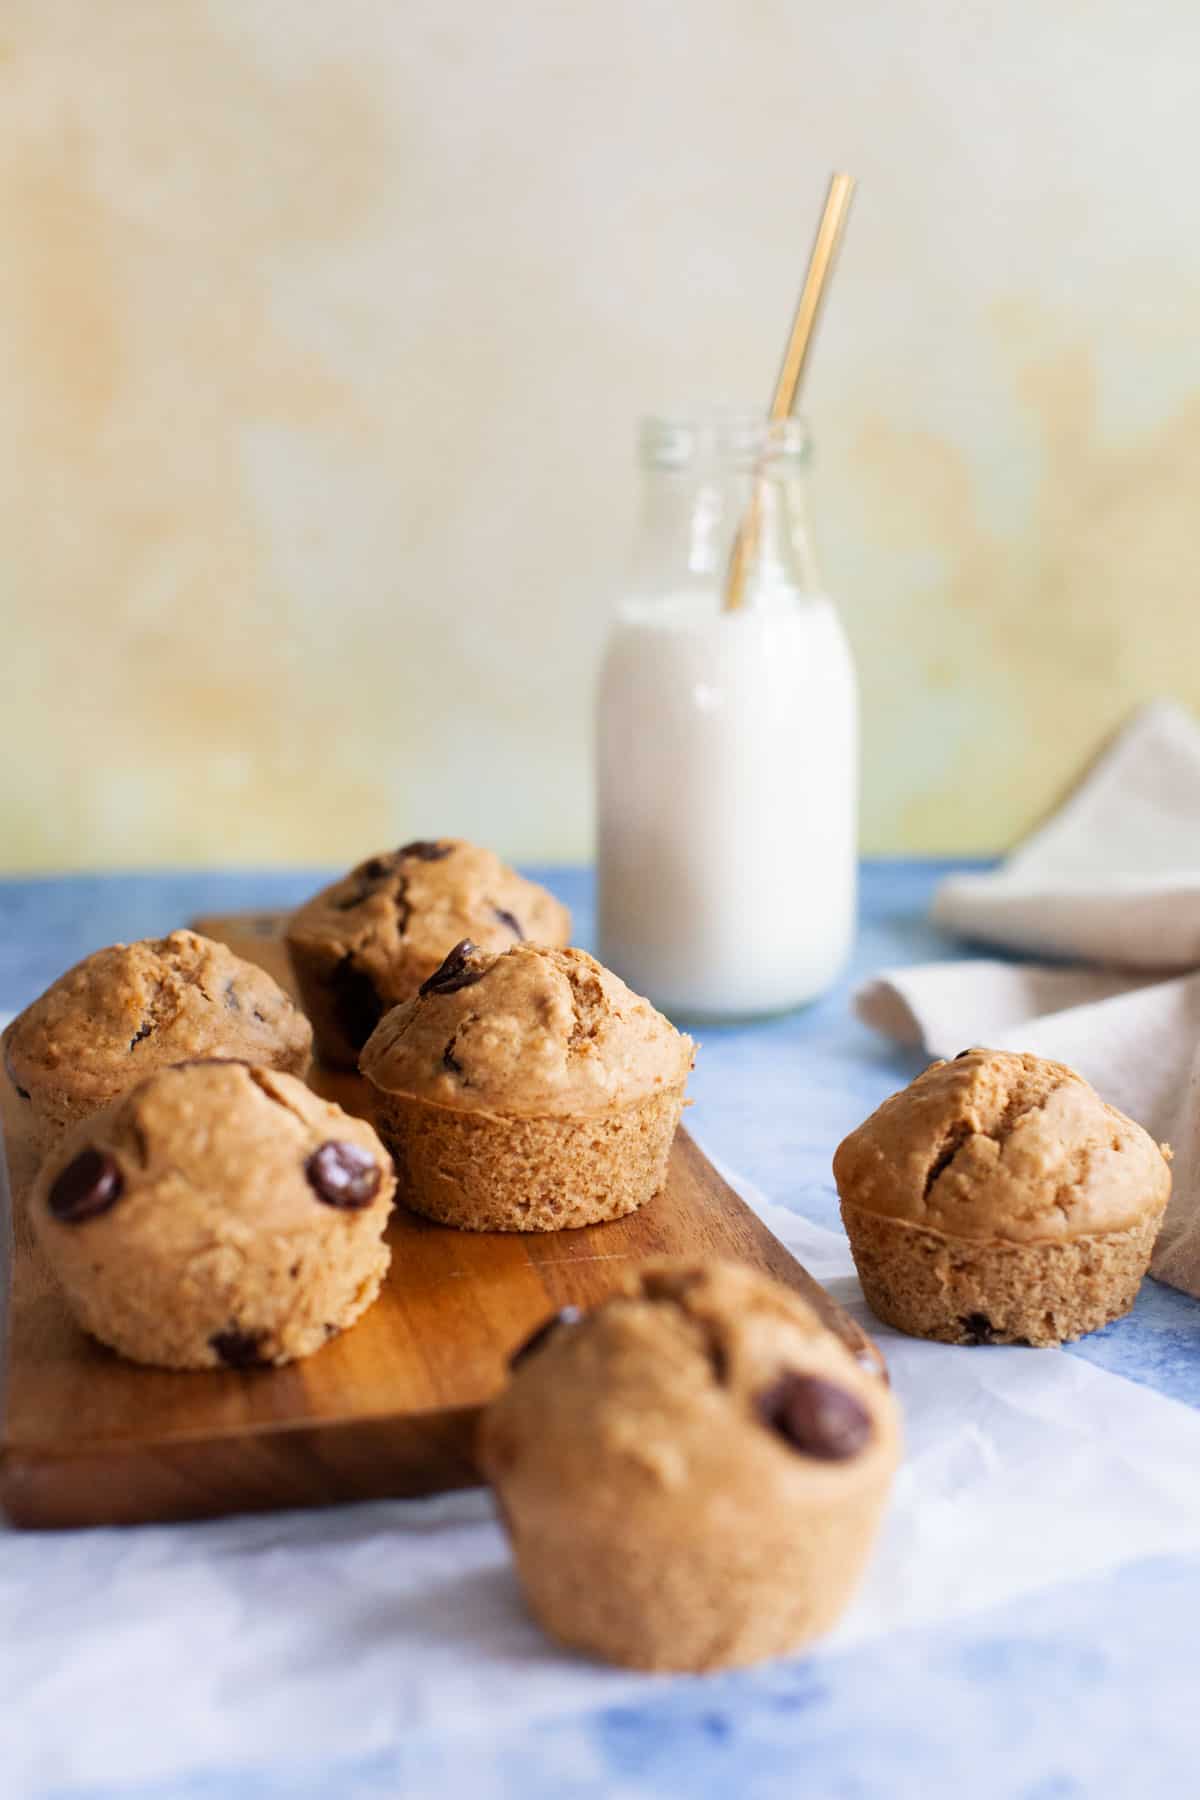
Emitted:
pixel 692 1475
pixel 370 940
pixel 220 1215
pixel 526 1092
pixel 132 1008
pixel 998 1200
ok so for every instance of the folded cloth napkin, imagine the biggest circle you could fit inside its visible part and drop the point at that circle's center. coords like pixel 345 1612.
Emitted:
pixel 1113 880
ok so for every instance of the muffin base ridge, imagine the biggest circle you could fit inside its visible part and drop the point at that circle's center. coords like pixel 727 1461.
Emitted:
pixel 483 1172
pixel 649 1604
pixel 959 1291
pixel 137 1331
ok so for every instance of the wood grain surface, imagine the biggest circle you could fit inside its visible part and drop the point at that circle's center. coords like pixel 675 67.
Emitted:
pixel 389 1408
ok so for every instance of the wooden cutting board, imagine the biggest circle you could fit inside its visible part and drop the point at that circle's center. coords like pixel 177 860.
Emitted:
pixel 389 1408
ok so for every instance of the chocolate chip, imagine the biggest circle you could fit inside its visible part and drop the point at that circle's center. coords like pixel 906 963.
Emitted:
pixel 456 972
pixel 510 920
pixel 423 850
pixel 403 909
pixel 356 1002
pixel 87 1187
pixel 978 1327
pixel 566 1315
pixel 239 1349
pixel 355 896
pixel 342 1175
pixel 961 1054
pixel 143 1031
pixel 449 1061
pixel 952 1143
pixel 816 1416
pixel 366 880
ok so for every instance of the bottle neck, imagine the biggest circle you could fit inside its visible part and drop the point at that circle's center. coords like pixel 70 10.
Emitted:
pixel 689 521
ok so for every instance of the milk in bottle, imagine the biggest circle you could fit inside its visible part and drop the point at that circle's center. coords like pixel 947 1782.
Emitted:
pixel 727 741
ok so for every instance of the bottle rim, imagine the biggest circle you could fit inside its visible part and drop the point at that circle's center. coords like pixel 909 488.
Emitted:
pixel 725 436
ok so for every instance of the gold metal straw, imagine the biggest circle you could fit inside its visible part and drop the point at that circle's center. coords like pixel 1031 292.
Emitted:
pixel 791 370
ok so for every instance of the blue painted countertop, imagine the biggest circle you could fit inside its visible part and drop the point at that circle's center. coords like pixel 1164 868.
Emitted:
pixel 1087 1688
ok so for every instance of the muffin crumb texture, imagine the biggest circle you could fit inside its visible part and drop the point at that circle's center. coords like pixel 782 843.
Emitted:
pixel 129 1009
pixel 219 1215
pixel 692 1474
pixel 368 941
pixel 530 1091
pixel 999 1199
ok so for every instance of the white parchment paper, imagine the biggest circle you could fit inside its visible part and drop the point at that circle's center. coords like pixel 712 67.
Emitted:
pixel 137 1653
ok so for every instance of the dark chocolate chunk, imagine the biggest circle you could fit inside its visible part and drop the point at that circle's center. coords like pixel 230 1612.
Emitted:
pixel 566 1315
pixel 510 920
pixel 239 1349
pixel 961 1054
pixel 423 850
pixel 355 897
pixel 449 1061
pixel 342 1175
pixel 403 909
pixel 366 881
pixel 87 1187
pixel 357 1005
pixel 952 1143
pixel 815 1416
pixel 978 1327
pixel 143 1031
pixel 456 972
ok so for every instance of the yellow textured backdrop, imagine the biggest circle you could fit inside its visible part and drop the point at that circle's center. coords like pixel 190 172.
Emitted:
pixel 323 330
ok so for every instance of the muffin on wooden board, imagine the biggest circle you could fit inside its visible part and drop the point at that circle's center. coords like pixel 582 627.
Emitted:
pixel 370 940
pixel 692 1475
pixel 526 1092
pixel 132 1008
pixel 218 1215
pixel 998 1199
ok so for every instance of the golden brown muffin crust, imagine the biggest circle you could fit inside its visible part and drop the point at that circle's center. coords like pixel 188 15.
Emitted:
pixel 396 915
pixel 534 1032
pixel 131 1008
pixel 670 1373
pixel 666 1510
pixel 996 1146
pixel 247 1223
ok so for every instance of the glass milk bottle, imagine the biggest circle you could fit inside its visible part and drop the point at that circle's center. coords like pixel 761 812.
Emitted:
pixel 727 752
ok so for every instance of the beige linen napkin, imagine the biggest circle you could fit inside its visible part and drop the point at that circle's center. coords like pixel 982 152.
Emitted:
pixel 1114 881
